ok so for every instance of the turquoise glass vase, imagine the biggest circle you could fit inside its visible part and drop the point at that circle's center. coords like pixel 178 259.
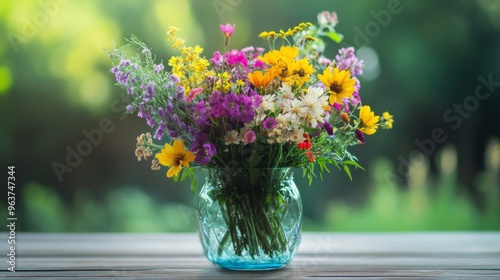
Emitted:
pixel 249 219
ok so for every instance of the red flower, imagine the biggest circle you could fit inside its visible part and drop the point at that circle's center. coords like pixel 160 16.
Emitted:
pixel 312 157
pixel 306 144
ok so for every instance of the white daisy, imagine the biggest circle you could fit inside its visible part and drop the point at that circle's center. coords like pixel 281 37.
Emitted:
pixel 314 101
pixel 294 110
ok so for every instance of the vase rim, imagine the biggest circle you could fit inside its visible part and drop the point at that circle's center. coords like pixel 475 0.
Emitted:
pixel 244 168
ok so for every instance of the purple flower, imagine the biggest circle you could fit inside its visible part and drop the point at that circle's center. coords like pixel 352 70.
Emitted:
pixel 158 68
pixel 328 128
pixel 129 108
pixel 217 105
pixel 122 78
pixel 232 106
pixel 142 111
pixel 169 108
pixel 247 112
pixel 125 62
pixel 210 150
pixel 269 123
pixel 160 131
pixel 360 136
pixel 172 133
pixel 149 119
pixel 256 98
pixel 174 79
pixel 150 91
pixel 347 60
pixel 203 149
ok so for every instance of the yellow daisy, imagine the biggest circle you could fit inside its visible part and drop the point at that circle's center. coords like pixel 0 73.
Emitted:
pixel 281 60
pixel 175 156
pixel 369 122
pixel 340 83
pixel 301 72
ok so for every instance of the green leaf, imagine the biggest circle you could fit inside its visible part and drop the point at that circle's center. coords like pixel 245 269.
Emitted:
pixel 346 169
pixel 357 165
pixel 334 36
pixel 193 183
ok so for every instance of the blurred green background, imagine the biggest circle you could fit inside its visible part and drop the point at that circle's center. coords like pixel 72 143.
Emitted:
pixel 438 169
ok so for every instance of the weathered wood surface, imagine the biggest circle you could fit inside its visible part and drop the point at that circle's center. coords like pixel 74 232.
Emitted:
pixel 454 255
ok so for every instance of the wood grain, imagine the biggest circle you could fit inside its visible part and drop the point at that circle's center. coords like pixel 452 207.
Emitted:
pixel 453 255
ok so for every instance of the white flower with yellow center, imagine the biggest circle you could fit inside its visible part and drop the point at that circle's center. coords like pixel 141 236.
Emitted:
pixel 314 101
pixel 294 110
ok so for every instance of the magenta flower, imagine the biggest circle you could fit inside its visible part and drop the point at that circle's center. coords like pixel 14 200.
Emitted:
pixel 227 30
pixel 337 106
pixel 249 137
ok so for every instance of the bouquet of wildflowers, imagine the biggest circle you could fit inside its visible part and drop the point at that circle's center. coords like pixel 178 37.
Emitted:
pixel 248 109
pixel 288 107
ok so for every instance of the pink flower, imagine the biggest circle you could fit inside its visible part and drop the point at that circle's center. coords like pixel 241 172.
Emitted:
pixel 249 137
pixel 337 106
pixel 193 93
pixel 327 18
pixel 227 30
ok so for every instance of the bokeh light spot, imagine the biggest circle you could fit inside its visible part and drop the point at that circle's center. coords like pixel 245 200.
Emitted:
pixel 5 79
pixel 95 91
pixel 372 67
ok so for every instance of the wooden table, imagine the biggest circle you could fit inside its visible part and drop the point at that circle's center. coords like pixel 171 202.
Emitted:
pixel 462 255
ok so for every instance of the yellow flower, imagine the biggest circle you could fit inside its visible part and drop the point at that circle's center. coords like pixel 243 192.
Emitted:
pixel 369 122
pixel 175 156
pixel 280 60
pixel 178 43
pixel 386 121
pixel 340 83
pixel 301 72
pixel 273 57
pixel 310 38
pixel 172 30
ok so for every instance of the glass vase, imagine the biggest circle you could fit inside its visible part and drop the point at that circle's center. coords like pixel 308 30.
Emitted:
pixel 249 219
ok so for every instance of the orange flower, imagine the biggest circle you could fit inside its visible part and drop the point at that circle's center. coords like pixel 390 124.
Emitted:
pixel 260 80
